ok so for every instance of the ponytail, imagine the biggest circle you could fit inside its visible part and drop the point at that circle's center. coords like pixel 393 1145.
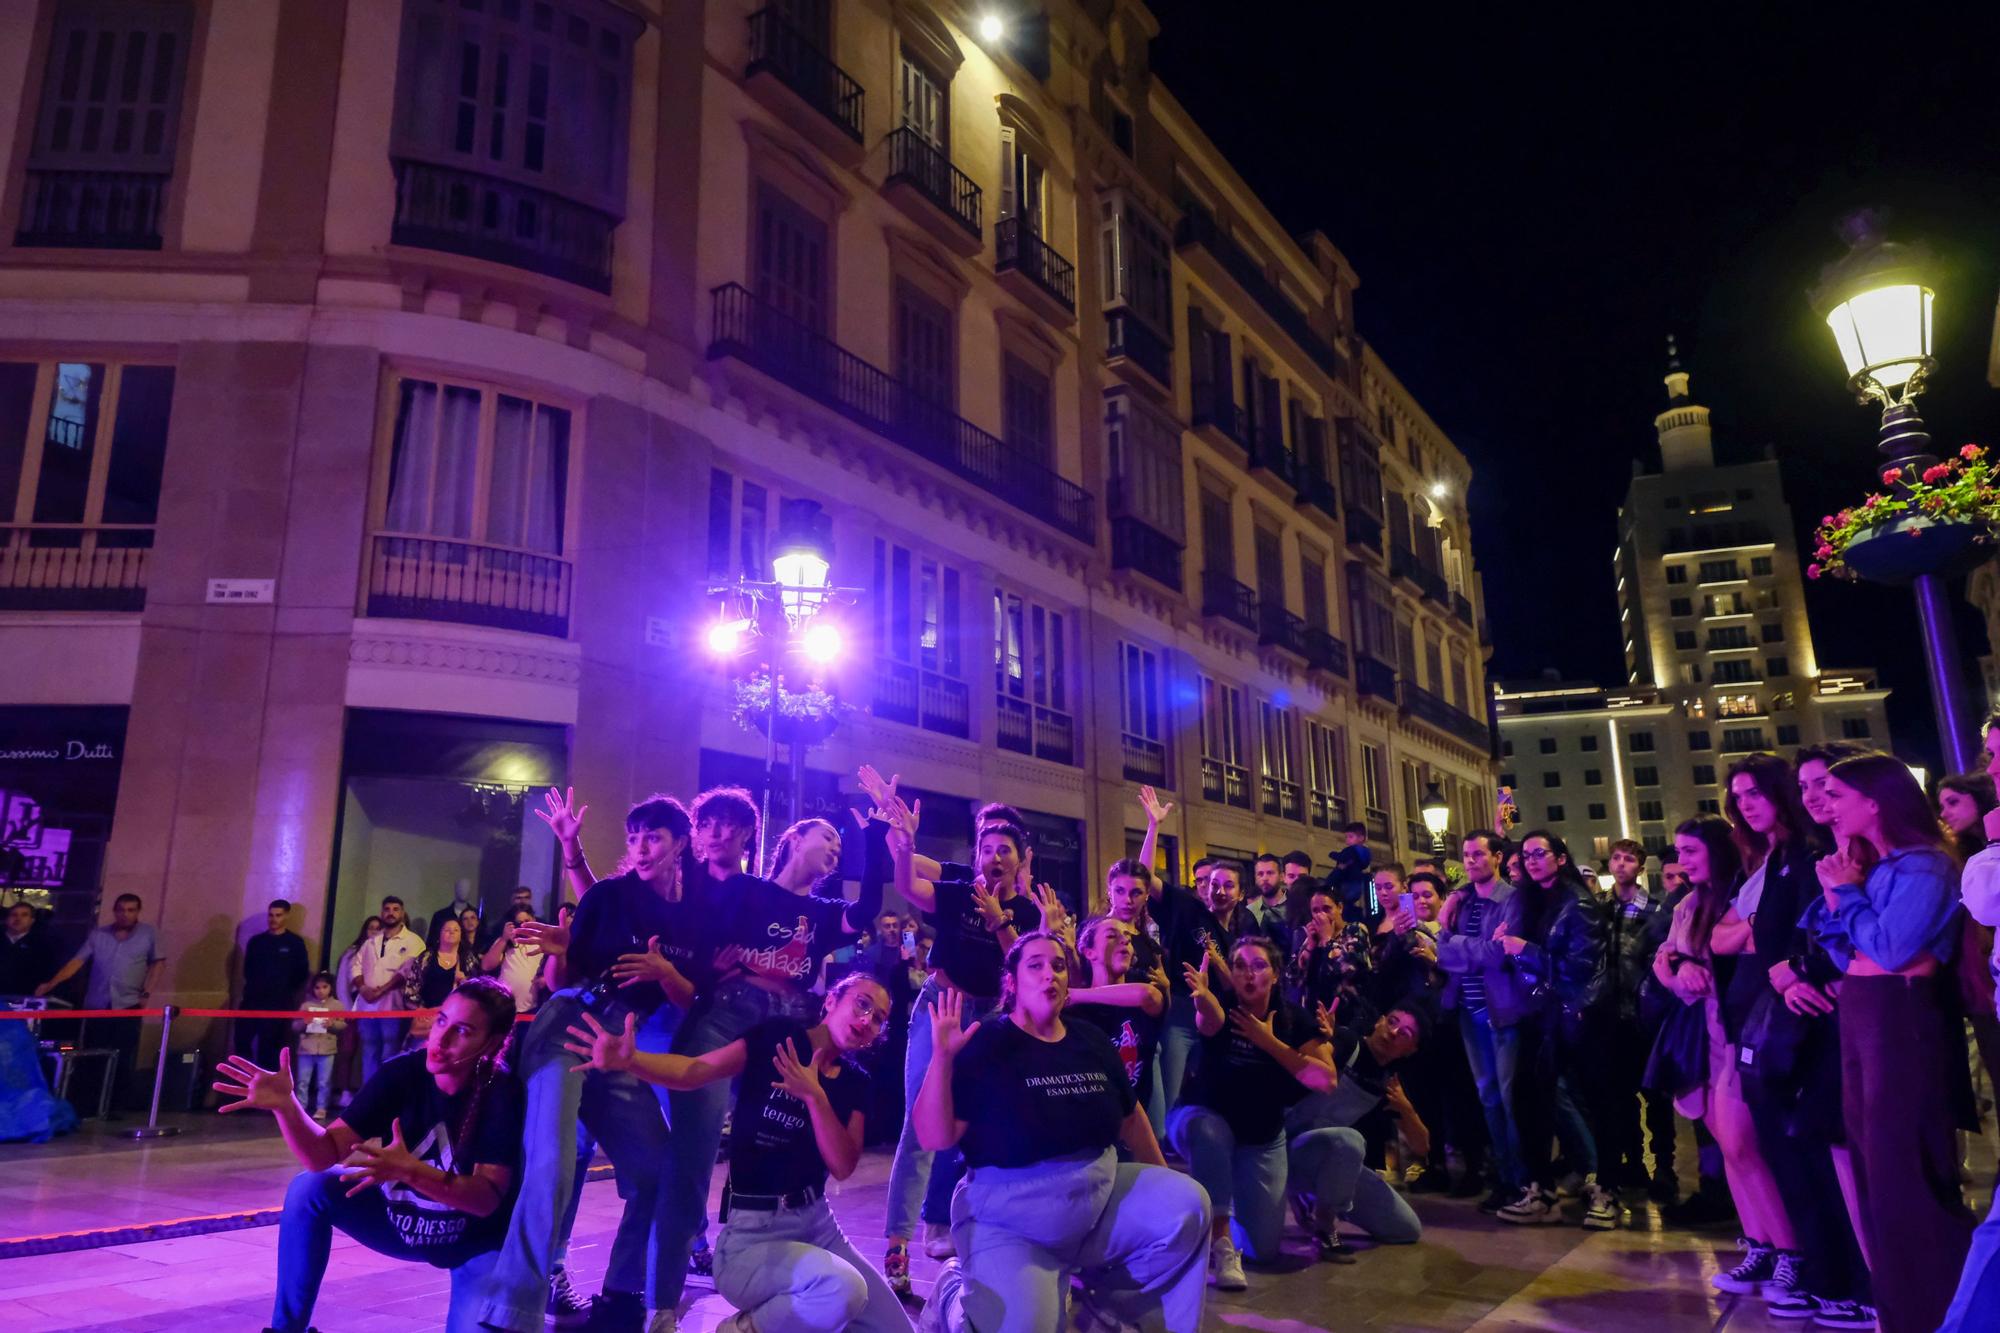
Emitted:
pixel 496 1002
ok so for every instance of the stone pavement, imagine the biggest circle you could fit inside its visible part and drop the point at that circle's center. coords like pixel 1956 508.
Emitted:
pixel 1468 1273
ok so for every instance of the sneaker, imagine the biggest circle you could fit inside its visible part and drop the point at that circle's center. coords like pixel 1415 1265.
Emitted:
pixel 1497 1200
pixel 1225 1265
pixel 1601 1209
pixel 616 1312
pixel 1784 1279
pixel 1751 1272
pixel 1332 1249
pixel 1533 1206
pixel 701 1259
pixel 1664 1188
pixel 1845 1314
pixel 1793 1305
pixel 565 1306
pixel 896 1267
pixel 1085 1317
pixel 937 1241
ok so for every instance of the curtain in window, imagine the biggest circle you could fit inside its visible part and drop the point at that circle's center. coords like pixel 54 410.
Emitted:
pixel 530 474
pixel 433 461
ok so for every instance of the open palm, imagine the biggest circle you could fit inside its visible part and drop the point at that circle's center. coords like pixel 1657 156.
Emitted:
pixel 255 1088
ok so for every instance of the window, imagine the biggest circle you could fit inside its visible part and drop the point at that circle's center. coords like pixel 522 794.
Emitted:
pixel 1024 411
pixel 924 101
pixel 510 132
pixel 1506 749
pixel 1374 778
pixel 1697 740
pixel 1645 776
pixel 1777 666
pixel 1552 778
pixel 1735 671
pixel 1639 742
pixel 1704 775
pixel 1277 760
pixel 1138 264
pixel 1652 810
pixel 1142 710
pixel 1708 805
pixel 1224 775
pixel 919 654
pixel 1218 538
pixel 1677 573
pixel 1145 481
pixel 1680 606
pixel 1597 810
pixel 1023 183
pixel 1555 814
pixel 1548 744
pixel 1773 633
pixel 1587 743
pixel 1855 728
pixel 1269 551
pixel 1788 733
pixel 791 261
pixel 1729 636
pixel 1684 640
pixel 1509 780
pixel 926 351
pixel 1326 775
pixel 739 528
pixel 1760 566
pixel 108 126
pixel 1312 587
pixel 1031 678
pixel 1593 777
pixel 1742 740
pixel 1720 571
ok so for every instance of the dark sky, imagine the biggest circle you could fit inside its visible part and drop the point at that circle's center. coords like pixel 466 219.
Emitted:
pixel 1534 201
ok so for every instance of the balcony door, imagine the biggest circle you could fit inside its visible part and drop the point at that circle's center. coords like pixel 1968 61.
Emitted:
pixel 811 19
pixel 926 359
pixel 1270 568
pixel 1023 183
pixel 1218 543
pixel 925 105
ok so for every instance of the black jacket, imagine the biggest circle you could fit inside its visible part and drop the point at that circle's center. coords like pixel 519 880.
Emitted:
pixel 1566 970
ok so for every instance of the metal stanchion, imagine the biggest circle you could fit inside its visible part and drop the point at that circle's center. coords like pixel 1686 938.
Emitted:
pixel 153 1129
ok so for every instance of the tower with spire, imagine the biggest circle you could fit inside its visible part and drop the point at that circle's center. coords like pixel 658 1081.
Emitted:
pixel 1683 428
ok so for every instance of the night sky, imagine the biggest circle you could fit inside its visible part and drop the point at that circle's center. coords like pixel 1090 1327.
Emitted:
pixel 1534 201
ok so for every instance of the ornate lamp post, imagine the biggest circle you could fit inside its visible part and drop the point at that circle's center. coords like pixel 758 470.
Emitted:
pixel 1437 815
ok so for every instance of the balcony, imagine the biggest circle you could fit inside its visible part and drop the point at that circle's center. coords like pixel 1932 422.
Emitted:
pixel 1428 708
pixel 68 567
pixel 1138 547
pixel 1214 412
pixel 790 74
pixel 1325 653
pixel 1279 628
pixel 1130 342
pixel 1374 676
pixel 1325 810
pixel 92 210
pixel 1029 267
pixel 1378 824
pixel 1198 230
pixel 1043 732
pixel 1403 563
pixel 1145 760
pixel 937 195
pixel 1269 453
pixel 1363 529
pixel 1317 490
pixel 1281 798
pixel 1225 783
pixel 504 222
pixel 758 334
pixel 413 577
pixel 911 695
pixel 1434 587
pixel 1226 599
pixel 1461 606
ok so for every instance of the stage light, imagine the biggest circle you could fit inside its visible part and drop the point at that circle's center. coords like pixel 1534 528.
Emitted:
pixel 726 637
pixel 821 643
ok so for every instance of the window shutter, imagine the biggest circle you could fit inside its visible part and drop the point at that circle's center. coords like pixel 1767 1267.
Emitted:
pixel 111 93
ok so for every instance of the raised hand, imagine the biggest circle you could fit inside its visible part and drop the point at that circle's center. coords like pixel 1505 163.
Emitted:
pixel 800 1078
pixel 1257 1031
pixel 1326 1014
pixel 987 902
pixel 370 1166
pixel 871 782
pixel 634 969
pixel 255 1089
pixel 1054 914
pixel 549 937
pixel 562 814
pixel 1024 874
pixel 1156 809
pixel 948 1037
pixel 1196 978
pixel 600 1047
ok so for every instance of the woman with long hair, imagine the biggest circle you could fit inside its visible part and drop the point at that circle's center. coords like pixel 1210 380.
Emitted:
pixel 1979 890
pixel 419 1166
pixel 1557 947
pixel 1258 1056
pixel 1963 804
pixel 1037 1105
pixel 1690 968
pixel 1124 1009
pixel 1892 894
pixel 347 1065
pixel 1780 845
pixel 782 1259
pixel 437 974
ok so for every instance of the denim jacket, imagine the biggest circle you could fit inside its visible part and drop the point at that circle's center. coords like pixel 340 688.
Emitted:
pixel 1460 951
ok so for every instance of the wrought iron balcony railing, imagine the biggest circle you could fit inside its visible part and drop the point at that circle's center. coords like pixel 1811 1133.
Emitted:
pixel 92 210
pixel 1017 249
pixel 1223 596
pixel 416 577
pixel 783 50
pixel 71 567
pixel 914 159
pixel 487 217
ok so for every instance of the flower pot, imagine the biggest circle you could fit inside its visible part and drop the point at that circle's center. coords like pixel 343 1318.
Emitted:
pixel 1909 546
pixel 806 731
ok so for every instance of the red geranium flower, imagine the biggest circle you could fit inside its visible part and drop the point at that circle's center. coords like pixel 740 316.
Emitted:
pixel 1889 477
pixel 1970 452
pixel 1812 571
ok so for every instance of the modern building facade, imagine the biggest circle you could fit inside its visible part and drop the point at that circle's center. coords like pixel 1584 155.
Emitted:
pixel 385 385
pixel 1718 653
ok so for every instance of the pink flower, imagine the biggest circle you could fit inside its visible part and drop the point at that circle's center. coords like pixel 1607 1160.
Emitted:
pixel 1825 552
pixel 1871 502
pixel 1934 475
pixel 1889 477
pixel 1812 571
pixel 1970 452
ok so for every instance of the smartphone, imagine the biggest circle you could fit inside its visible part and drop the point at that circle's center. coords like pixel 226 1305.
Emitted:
pixel 910 940
pixel 1407 904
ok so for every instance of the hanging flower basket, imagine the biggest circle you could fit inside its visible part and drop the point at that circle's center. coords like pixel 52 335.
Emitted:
pixel 807 717
pixel 1945 521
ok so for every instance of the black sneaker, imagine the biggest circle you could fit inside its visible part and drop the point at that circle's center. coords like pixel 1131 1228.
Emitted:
pixel 1332 1249
pixel 616 1312
pixel 1793 1305
pixel 1750 1274
pixel 565 1306
pixel 701 1259
pixel 1497 1200
pixel 1845 1314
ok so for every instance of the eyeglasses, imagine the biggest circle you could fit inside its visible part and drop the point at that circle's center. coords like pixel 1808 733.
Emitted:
pixel 1537 854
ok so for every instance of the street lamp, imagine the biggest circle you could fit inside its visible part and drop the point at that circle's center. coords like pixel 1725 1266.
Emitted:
pixel 1879 307
pixel 1437 814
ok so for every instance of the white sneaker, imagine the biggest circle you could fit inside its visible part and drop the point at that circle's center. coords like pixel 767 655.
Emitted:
pixel 937 1241
pixel 1601 1210
pixel 1225 1265
pixel 1531 1208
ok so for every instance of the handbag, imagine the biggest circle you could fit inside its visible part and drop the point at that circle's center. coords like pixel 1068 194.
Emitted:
pixel 1768 1046
pixel 1679 1060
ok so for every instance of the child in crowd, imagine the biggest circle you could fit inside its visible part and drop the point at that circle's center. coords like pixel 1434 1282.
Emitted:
pixel 319 1041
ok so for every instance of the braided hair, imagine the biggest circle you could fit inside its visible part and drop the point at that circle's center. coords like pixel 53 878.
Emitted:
pixel 496 1003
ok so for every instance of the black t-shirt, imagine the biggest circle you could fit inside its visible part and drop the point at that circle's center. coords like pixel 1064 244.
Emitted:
pixel 404 1091
pixel 768 931
pixel 771 1147
pixel 1247 1087
pixel 967 952
pixel 1025 1100
pixel 274 971
pixel 618 916
pixel 1187 931
pixel 1133 1032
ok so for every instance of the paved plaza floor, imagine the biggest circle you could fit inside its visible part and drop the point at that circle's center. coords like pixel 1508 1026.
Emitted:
pixel 1469 1272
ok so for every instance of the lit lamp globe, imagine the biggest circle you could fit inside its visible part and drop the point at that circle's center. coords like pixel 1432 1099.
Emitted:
pixel 1436 813
pixel 802 559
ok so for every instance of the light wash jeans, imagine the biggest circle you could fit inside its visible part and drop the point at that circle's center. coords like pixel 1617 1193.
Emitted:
pixel 1493 1054
pixel 312 1075
pixel 1976 1307
pixel 1330 1166
pixel 624 1118
pixel 380 1039
pixel 734 1008
pixel 1178 1041
pixel 315 1205
pixel 1245 1182
pixel 793 1270
pixel 910 1174
pixel 1136 1236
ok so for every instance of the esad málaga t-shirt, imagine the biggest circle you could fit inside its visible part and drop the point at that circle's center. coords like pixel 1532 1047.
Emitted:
pixel 404 1092
pixel 967 952
pixel 1134 1033
pixel 619 916
pixel 771 1145
pixel 1025 1100
pixel 1244 1085
pixel 771 932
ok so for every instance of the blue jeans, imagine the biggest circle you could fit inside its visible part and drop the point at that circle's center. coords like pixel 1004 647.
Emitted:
pixel 1330 1166
pixel 312 1075
pixel 586 1149
pixel 317 1203
pixel 625 1119
pixel 734 1008
pixel 793 1270
pixel 1137 1237
pixel 916 1174
pixel 1976 1307
pixel 1178 1040
pixel 1492 1054
pixel 1245 1181
pixel 380 1039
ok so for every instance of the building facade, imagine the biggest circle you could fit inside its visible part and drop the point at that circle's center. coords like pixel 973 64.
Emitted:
pixel 386 384
pixel 1718 654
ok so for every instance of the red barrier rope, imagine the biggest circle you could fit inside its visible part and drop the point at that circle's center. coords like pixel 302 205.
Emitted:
pixel 306 1014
